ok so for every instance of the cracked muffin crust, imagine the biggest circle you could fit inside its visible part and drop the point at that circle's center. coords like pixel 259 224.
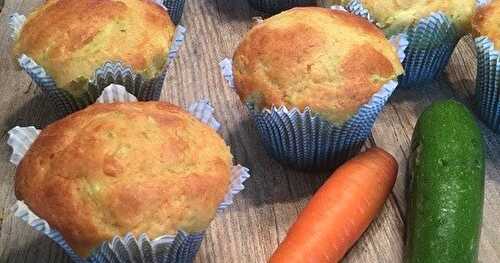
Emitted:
pixel 113 169
pixel 396 16
pixel 70 39
pixel 330 61
pixel 486 22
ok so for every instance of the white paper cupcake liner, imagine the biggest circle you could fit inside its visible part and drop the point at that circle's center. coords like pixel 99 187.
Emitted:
pixel 305 141
pixel 356 8
pixel 16 22
pixel 431 44
pixel 179 248
pixel 488 82
pixel 480 3
pixel 110 72
pixel 275 6
pixel 338 8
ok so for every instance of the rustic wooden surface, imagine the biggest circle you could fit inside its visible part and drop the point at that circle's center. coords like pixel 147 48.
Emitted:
pixel 253 227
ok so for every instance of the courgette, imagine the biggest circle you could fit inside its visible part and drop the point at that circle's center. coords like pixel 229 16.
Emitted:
pixel 446 188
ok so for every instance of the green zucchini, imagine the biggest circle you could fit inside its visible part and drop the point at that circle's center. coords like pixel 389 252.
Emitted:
pixel 446 187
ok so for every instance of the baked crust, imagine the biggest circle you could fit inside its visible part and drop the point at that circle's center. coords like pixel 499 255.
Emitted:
pixel 330 61
pixel 486 22
pixel 396 16
pixel 111 169
pixel 72 38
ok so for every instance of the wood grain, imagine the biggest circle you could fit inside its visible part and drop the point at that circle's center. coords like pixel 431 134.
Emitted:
pixel 252 228
pixel 395 127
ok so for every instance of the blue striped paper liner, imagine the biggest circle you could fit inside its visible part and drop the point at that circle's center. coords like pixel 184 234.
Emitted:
pixel 175 9
pixel 181 248
pixel 488 82
pixel 432 41
pixel 356 8
pixel 16 22
pixel 22 212
pixel 275 6
pixel 110 72
pixel 304 140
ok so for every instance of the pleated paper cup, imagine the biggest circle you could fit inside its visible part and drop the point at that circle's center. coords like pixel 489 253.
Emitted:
pixel 179 248
pixel 431 44
pixel 306 141
pixel 488 82
pixel 111 72
pixel 276 6
pixel 175 8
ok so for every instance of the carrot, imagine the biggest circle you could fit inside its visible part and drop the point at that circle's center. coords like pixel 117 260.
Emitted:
pixel 340 211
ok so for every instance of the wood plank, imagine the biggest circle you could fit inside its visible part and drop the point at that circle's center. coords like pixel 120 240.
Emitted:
pixel 257 222
pixel 394 129
pixel 461 75
pixel 20 104
pixel 260 217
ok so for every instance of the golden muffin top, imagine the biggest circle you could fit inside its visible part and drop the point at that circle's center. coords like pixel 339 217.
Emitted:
pixel 395 16
pixel 486 22
pixel 330 61
pixel 111 169
pixel 72 38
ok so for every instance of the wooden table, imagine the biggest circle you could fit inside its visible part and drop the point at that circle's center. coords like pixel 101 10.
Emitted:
pixel 261 215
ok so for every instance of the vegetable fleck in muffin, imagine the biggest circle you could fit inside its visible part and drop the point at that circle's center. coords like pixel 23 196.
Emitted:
pixel 487 22
pixel 111 169
pixel 70 39
pixel 396 16
pixel 330 61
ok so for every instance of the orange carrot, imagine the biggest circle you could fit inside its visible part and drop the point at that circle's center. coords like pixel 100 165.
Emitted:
pixel 340 211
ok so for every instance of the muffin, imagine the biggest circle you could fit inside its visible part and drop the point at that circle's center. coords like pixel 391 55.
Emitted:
pixel 486 29
pixel 486 22
pixel 433 28
pixel 275 6
pixel 323 63
pixel 80 49
pixel 93 176
pixel 397 16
